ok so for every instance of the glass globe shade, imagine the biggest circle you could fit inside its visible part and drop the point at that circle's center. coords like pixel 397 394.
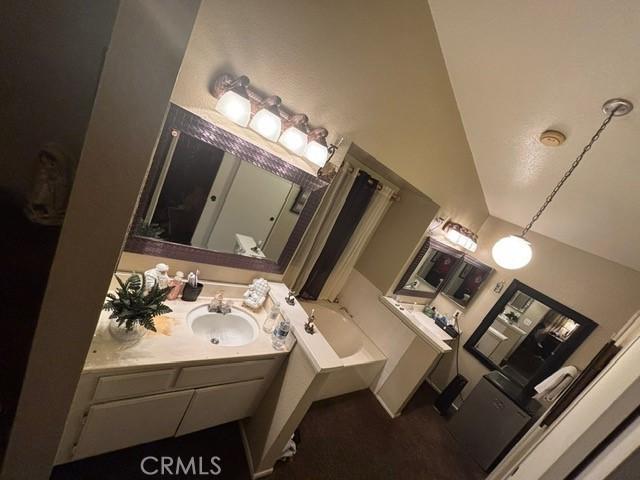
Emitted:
pixel 235 107
pixel 512 252
pixel 294 140
pixel 267 124
pixel 316 153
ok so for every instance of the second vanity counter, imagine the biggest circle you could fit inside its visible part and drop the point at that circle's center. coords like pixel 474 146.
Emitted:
pixel 423 326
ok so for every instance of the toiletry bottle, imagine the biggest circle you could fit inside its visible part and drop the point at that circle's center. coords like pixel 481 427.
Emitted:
pixel 272 318
pixel 176 284
pixel 279 336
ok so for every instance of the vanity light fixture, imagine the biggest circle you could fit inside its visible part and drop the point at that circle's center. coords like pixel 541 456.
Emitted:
pixel 295 136
pixel 233 99
pixel 515 251
pixel 317 150
pixel 267 121
pixel 461 235
pixel 237 102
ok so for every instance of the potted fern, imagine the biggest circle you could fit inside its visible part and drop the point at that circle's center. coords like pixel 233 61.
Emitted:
pixel 132 309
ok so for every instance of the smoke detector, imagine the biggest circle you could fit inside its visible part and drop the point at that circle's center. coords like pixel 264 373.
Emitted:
pixel 552 138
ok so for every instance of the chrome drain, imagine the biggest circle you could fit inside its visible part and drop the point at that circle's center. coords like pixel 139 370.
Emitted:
pixel 215 340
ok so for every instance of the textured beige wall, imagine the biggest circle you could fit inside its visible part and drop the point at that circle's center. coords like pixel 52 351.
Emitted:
pixel 371 71
pixel 395 240
pixel 146 49
pixel 51 55
pixel 604 291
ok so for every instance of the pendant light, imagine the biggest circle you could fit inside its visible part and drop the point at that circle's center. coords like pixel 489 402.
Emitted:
pixel 234 101
pixel 267 121
pixel 294 138
pixel 515 251
pixel 317 150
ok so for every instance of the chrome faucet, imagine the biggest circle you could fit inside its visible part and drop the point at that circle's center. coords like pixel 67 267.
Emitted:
pixel 310 326
pixel 291 298
pixel 218 305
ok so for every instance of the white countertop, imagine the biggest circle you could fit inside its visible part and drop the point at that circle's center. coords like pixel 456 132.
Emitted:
pixel 175 343
pixel 423 326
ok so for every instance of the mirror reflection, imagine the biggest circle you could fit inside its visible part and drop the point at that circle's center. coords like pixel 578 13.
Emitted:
pixel 524 335
pixel 465 282
pixel 208 198
pixel 432 271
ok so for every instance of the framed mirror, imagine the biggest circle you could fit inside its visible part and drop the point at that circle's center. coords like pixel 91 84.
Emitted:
pixel 528 335
pixel 212 197
pixel 430 270
pixel 465 281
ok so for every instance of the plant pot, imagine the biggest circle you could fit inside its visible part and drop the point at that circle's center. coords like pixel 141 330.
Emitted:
pixel 121 334
pixel 191 294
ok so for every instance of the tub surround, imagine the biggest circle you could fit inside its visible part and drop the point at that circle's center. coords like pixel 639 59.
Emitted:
pixel 419 323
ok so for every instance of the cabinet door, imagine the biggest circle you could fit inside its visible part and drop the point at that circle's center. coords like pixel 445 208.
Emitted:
pixel 220 404
pixel 114 425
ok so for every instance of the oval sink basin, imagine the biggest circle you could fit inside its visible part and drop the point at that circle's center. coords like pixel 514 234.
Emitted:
pixel 232 329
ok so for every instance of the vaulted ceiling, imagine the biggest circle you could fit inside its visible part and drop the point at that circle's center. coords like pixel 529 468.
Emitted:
pixel 519 68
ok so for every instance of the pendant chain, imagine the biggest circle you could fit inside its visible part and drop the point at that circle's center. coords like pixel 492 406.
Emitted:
pixel 568 173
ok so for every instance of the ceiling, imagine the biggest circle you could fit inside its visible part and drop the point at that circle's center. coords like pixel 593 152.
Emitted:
pixel 519 68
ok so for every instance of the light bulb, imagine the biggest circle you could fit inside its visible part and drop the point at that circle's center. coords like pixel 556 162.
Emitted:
pixel 317 153
pixel 512 252
pixel 267 124
pixel 294 140
pixel 235 107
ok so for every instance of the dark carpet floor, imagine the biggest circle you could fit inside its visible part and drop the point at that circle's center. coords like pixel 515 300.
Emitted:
pixel 344 438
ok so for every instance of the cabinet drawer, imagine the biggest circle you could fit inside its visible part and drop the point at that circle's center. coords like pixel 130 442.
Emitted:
pixel 220 404
pixel 223 373
pixel 114 425
pixel 131 385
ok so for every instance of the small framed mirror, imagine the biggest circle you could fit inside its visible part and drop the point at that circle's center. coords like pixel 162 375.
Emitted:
pixel 212 197
pixel 528 335
pixel 466 280
pixel 430 270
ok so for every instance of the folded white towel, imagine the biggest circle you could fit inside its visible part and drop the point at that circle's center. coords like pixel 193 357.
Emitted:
pixel 552 386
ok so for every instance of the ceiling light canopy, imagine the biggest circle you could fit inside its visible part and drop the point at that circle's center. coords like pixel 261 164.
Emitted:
pixel 515 251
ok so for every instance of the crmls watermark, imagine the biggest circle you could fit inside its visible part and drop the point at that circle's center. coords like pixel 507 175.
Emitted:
pixel 171 466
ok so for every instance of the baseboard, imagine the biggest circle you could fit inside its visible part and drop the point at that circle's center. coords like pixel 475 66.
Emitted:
pixel 247 453
pixel 386 409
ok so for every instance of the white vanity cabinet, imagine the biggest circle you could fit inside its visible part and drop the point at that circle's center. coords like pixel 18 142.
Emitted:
pixel 133 405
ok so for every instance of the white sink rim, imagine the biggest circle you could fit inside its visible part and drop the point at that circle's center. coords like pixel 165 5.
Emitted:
pixel 237 317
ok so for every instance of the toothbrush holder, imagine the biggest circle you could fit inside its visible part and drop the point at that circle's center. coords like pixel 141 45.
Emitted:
pixel 191 294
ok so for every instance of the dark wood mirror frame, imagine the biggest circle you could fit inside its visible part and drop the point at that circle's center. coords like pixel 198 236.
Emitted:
pixel 428 243
pixel 186 122
pixel 560 355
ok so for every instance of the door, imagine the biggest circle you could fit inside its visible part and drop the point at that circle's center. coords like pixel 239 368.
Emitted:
pixel 250 208
pixel 114 425
pixel 220 404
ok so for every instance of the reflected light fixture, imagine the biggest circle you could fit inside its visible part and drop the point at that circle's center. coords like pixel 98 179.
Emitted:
pixel 461 235
pixel 317 150
pixel 267 121
pixel 233 99
pixel 294 138
pixel 515 251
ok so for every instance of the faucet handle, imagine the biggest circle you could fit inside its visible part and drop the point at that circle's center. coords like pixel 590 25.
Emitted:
pixel 290 298
pixel 310 326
